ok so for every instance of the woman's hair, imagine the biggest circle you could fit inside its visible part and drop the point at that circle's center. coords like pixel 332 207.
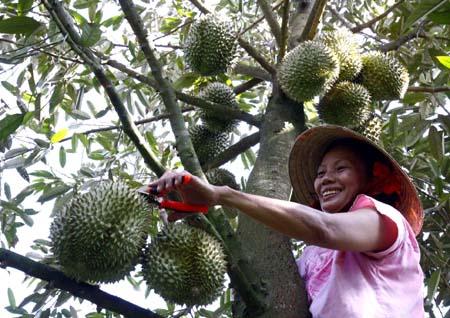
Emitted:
pixel 369 156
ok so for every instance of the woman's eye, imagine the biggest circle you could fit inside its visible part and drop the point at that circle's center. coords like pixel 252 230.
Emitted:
pixel 320 174
pixel 342 168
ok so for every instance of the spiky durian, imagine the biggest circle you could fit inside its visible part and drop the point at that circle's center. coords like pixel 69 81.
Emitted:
pixel 371 128
pixel 208 144
pixel 384 76
pixel 210 46
pixel 346 104
pixel 308 70
pixel 99 235
pixel 345 45
pixel 185 265
pixel 221 94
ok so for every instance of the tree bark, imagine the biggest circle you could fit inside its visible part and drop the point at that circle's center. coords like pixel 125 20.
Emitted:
pixel 270 252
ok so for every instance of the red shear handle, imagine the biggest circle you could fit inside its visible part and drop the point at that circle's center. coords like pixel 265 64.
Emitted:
pixel 183 207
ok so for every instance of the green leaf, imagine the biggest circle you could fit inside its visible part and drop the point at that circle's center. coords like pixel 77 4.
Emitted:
pixel 53 192
pixel 19 25
pixel 413 98
pixel 57 96
pixel 90 34
pixel 62 298
pixel 79 114
pixel 436 140
pixel 170 23
pixel 12 300
pixel 27 219
pixel 444 60
pixel 9 124
pixel 7 191
pixel 84 4
pixel 433 283
pixel 24 6
pixel 185 81
pixel 16 152
pixel 62 157
pixel 441 17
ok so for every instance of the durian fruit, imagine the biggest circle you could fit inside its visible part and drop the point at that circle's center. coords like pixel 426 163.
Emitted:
pixel 221 94
pixel 208 144
pixel 345 45
pixel 308 70
pixel 371 128
pixel 210 46
pixel 99 235
pixel 384 76
pixel 346 104
pixel 185 265
pixel 222 177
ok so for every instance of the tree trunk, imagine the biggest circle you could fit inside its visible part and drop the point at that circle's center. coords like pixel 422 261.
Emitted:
pixel 270 252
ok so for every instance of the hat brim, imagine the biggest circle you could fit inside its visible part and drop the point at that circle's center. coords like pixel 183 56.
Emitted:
pixel 308 151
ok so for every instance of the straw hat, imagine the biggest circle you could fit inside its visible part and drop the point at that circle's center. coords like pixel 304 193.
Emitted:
pixel 308 151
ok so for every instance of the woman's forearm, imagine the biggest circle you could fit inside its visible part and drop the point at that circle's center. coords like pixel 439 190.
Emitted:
pixel 290 218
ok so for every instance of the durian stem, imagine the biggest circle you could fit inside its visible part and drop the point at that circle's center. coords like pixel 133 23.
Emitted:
pixel 82 290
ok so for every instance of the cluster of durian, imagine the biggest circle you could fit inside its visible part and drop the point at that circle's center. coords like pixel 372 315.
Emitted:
pixel 185 265
pixel 347 82
pixel 100 236
pixel 209 50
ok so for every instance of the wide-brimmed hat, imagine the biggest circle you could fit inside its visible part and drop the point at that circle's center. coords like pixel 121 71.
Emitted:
pixel 308 151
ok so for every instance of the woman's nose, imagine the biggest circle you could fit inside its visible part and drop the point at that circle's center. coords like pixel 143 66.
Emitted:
pixel 328 177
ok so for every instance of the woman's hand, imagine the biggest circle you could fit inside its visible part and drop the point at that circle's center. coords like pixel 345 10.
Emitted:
pixel 195 191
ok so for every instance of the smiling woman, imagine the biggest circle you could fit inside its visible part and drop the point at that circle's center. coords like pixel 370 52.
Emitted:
pixel 363 252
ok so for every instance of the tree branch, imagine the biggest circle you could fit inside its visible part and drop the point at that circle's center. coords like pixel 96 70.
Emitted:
pixel 245 69
pixel 183 141
pixel 191 100
pixel 225 112
pixel 371 22
pixel 66 26
pixel 431 90
pixel 395 45
pixel 200 6
pixel 305 21
pixel 339 17
pixel 284 30
pixel 271 21
pixel 251 26
pixel 233 151
pixel 246 86
pixel 79 289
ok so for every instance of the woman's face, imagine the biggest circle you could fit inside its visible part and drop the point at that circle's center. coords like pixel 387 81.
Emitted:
pixel 340 177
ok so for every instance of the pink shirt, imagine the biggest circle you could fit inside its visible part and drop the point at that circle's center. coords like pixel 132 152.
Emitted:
pixel 367 285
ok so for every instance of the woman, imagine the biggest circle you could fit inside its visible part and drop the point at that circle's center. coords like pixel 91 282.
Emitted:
pixel 363 258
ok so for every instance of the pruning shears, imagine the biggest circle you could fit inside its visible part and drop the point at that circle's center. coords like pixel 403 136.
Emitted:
pixel 154 197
